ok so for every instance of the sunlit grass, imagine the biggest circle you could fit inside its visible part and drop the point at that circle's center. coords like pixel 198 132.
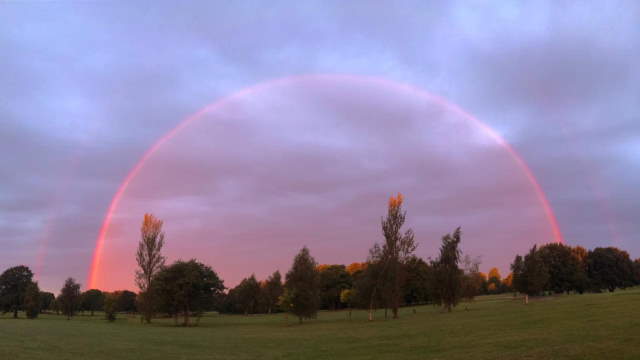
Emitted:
pixel 591 326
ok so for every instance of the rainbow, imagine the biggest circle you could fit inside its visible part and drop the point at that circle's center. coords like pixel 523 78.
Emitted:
pixel 94 270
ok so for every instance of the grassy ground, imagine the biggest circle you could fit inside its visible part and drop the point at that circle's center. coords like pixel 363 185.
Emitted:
pixel 593 326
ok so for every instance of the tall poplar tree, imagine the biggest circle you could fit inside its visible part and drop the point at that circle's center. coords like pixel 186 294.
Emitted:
pixel 448 275
pixel 392 257
pixel 150 262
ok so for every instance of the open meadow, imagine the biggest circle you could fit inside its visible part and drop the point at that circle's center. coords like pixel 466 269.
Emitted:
pixel 590 326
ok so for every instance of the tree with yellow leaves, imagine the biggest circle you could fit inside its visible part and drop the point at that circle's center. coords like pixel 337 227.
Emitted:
pixel 150 262
pixel 495 281
pixel 391 257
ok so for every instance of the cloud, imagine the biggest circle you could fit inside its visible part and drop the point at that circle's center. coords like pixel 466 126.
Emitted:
pixel 88 87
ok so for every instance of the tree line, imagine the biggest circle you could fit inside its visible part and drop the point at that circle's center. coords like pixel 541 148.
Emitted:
pixel 392 276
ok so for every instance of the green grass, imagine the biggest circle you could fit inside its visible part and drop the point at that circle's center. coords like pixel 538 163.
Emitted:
pixel 593 326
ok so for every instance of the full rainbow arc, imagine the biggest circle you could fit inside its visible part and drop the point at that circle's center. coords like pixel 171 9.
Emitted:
pixel 100 242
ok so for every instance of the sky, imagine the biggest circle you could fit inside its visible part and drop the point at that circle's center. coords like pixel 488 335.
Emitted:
pixel 87 88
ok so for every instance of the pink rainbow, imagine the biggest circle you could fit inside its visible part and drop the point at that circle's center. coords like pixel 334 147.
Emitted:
pixel 95 263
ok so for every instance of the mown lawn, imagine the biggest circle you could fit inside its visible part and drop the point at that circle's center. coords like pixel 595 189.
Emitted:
pixel 593 326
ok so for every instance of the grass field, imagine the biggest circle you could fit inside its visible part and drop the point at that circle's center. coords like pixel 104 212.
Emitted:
pixel 592 326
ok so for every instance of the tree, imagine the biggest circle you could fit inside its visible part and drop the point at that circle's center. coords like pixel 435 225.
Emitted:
pixel 582 280
pixel 47 300
pixel 507 283
pixel 347 297
pixel 530 275
pixel 273 290
pixel 70 298
pixel 126 301
pixel 416 289
pixel 355 268
pixel 564 266
pixel 248 294
pixel 517 269
pixel 285 303
pixel 472 279
pixel 92 300
pixel 609 268
pixel 32 300
pixel 187 287
pixel 366 283
pixel 150 262
pixel 333 279
pixel 393 254
pixel 13 285
pixel 448 276
pixel 56 305
pixel 495 280
pixel 110 306
pixel 636 270
pixel 303 286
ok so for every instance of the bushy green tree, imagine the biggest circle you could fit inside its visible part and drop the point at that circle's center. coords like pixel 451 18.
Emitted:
pixel 303 286
pixel 416 289
pixel 13 286
pixel 565 269
pixel 70 298
pixel 110 306
pixel 92 300
pixel 187 287
pixel 333 279
pixel 47 301
pixel 32 300
pixel 126 301
pixel 530 275
pixel 609 268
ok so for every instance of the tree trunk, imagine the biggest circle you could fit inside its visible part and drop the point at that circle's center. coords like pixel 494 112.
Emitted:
pixel 385 312
pixel 299 319
pixel 349 313
pixel 373 296
pixel 371 310
pixel 15 313
pixel 91 312
pixel 526 299
pixel 186 316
